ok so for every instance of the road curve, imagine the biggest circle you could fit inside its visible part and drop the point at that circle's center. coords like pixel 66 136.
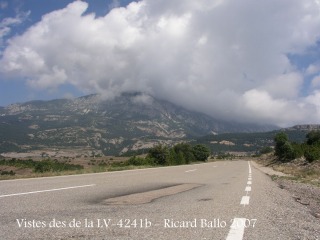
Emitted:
pixel 220 200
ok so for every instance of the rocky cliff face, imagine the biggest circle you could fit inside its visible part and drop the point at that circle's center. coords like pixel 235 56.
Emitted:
pixel 130 122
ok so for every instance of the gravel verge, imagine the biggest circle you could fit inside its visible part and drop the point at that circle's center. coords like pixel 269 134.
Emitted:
pixel 305 194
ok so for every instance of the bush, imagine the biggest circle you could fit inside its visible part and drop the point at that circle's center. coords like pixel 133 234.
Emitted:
pixel 11 173
pixel 186 153
pixel 54 166
pixel 312 153
pixel 201 152
pixel 138 161
pixel 298 149
pixel 266 150
pixel 158 154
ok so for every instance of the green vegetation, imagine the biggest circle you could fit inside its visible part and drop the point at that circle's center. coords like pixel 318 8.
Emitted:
pixel 10 173
pixel 182 153
pixel 46 165
pixel 223 156
pixel 286 150
pixel 266 150
pixel 254 142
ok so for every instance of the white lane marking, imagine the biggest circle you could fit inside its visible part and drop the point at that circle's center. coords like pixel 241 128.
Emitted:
pixel 249 182
pixel 245 200
pixel 192 170
pixel 236 229
pixel 48 190
pixel 249 179
pixel 249 167
pixel 248 189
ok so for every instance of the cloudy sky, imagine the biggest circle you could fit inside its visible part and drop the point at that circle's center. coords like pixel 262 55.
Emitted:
pixel 250 61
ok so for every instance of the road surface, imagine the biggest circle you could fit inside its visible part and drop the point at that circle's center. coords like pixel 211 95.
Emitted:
pixel 219 200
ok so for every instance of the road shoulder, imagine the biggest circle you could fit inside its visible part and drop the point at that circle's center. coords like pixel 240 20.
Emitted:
pixel 303 193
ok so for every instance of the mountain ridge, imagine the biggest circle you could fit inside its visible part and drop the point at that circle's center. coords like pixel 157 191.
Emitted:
pixel 128 122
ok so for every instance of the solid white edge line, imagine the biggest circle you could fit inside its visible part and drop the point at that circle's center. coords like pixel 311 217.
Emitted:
pixel 48 190
pixel 236 229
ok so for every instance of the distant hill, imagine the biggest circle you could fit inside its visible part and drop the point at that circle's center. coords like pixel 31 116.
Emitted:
pixel 253 142
pixel 305 127
pixel 129 122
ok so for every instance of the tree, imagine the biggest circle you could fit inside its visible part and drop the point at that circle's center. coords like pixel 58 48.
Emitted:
pixel 283 148
pixel 201 152
pixel 313 137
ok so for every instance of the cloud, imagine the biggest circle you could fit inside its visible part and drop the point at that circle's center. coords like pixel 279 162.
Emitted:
pixel 142 99
pixel 7 23
pixel 226 58
pixel 313 68
pixel 114 4
pixel 316 82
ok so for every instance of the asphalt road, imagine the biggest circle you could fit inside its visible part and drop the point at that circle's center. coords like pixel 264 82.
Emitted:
pixel 219 200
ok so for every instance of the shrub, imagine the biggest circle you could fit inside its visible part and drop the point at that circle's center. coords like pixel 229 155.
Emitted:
pixel 137 161
pixel 312 153
pixel 11 173
pixel 266 150
pixel 185 151
pixel 201 152
pixel 158 154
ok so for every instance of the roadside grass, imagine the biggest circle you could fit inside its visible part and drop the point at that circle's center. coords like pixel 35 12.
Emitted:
pixel 93 169
pixel 299 170
pixel 111 167
pixel 97 167
pixel 301 174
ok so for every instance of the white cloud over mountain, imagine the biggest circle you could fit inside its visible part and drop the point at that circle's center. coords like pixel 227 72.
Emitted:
pixel 227 58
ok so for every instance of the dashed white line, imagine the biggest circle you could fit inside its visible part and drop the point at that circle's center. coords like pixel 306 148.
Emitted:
pixel 245 200
pixel 237 229
pixel 248 189
pixel 192 170
pixel 249 182
pixel 48 190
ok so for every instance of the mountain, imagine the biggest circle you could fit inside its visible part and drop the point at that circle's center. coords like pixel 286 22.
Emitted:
pixel 129 122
